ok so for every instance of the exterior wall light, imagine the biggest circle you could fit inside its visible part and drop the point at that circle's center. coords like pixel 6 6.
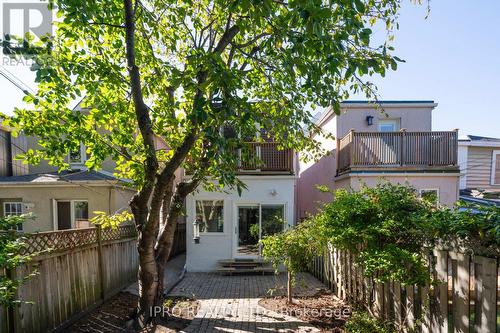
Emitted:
pixel 196 231
pixel 369 120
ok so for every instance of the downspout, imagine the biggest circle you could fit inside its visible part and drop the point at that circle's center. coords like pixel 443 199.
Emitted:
pixel 109 200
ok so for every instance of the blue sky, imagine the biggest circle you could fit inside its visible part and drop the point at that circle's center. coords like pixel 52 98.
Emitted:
pixel 452 57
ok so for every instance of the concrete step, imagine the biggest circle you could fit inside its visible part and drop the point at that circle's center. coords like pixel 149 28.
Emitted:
pixel 245 270
pixel 242 262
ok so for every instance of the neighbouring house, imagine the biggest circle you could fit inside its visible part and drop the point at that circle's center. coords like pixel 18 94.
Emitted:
pixel 58 200
pixel 390 140
pixel 479 159
pixel 225 227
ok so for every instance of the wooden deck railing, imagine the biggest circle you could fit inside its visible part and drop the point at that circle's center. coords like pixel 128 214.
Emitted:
pixel 266 157
pixel 386 149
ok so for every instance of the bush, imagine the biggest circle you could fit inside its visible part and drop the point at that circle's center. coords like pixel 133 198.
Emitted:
pixel 11 245
pixel 390 230
pixel 362 322
pixel 387 227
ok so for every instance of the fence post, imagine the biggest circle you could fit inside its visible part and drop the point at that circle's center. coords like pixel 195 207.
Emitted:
pixel 100 261
pixel 10 309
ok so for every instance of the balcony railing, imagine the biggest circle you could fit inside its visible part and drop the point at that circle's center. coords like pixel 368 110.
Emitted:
pixel 265 157
pixel 397 149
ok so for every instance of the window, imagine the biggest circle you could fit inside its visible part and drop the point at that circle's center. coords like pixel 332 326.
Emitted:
pixel 388 125
pixel 210 215
pixel 430 195
pixel 272 220
pixel 78 156
pixel 81 214
pixel 72 214
pixel 13 208
pixel 495 168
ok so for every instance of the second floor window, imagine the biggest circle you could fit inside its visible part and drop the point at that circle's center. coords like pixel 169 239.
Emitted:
pixel 388 125
pixel 78 156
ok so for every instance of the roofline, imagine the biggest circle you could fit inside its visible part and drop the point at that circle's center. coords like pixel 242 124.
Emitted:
pixel 480 201
pixel 71 183
pixel 388 103
pixel 470 143
pixel 358 104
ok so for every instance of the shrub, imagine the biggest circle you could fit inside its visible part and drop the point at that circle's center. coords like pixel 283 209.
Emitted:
pixel 11 245
pixel 362 322
pixel 387 227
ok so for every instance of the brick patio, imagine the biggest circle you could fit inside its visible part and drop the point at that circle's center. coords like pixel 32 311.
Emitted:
pixel 230 303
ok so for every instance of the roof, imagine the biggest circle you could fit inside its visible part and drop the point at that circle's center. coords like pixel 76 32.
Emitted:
pixel 480 201
pixel 75 175
pixel 479 138
pixel 479 141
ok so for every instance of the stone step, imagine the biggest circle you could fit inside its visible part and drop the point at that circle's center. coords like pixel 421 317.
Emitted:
pixel 242 262
pixel 242 270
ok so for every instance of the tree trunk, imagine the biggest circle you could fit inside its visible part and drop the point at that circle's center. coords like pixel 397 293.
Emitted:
pixel 148 280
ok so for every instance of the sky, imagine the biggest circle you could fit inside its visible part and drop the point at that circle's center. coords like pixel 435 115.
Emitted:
pixel 452 57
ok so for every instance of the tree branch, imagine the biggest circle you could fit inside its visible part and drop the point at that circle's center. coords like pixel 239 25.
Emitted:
pixel 138 203
pixel 107 24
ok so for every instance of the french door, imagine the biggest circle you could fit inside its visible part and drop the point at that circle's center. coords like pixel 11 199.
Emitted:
pixel 254 222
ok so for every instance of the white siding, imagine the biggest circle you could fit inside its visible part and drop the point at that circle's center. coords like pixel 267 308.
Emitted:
pixel 479 167
pixel 203 257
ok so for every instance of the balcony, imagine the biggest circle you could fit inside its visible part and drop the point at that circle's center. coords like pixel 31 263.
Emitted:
pixel 265 158
pixel 397 151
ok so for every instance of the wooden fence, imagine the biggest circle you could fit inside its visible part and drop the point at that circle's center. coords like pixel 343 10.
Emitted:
pixel 465 300
pixel 82 268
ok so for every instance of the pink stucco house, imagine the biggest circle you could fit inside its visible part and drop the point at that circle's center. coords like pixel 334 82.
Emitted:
pixel 391 140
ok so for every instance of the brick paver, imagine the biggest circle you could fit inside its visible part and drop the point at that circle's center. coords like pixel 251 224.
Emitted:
pixel 230 303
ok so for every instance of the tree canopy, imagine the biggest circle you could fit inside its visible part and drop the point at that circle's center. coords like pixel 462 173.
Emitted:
pixel 203 65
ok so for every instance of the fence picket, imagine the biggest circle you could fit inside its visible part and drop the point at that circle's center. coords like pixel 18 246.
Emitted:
pixel 485 287
pixel 439 303
pixel 460 268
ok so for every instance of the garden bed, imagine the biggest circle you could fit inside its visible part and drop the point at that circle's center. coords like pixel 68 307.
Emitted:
pixel 323 310
pixel 115 316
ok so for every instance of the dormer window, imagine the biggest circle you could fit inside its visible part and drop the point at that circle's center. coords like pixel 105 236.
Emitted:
pixel 78 156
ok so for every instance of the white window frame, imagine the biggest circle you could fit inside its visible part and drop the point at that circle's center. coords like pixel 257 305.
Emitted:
pixel 494 155
pixel 72 211
pixel 20 226
pixel 256 204
pixel 393 121
pixel 83 156
pixel 224 226
pixel 430 189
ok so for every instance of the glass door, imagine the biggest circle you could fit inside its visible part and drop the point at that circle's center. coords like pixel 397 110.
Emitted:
pixel 248 231
pixel 272 220
pixel 256 222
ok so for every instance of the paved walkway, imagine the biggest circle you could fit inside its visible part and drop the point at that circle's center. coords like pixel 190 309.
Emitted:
pixel 230 303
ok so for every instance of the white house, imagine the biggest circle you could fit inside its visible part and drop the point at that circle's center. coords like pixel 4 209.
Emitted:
pixel 227 226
